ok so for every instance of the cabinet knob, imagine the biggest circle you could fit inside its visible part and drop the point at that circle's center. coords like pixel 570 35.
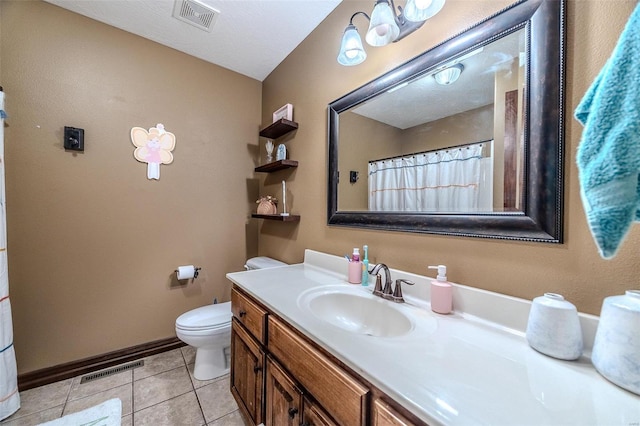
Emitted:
pixel 256 368
pixel 292 412
pixel 242 313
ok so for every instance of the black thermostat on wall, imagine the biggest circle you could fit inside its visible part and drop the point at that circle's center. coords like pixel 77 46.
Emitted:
pixel 73 138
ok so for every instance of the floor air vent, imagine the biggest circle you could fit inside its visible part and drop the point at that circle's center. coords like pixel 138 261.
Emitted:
pixel 195 13
pixel 111 371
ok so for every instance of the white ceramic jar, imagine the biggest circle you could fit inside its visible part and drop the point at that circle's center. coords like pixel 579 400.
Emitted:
pixel 616 349
pixel 554 327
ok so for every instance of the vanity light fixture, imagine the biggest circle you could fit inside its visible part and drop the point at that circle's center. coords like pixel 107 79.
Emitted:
pixel 385 26
pixel 421 10
pixel 449 75
pixel 351 50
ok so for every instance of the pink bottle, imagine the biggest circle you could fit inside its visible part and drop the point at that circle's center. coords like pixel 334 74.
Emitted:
pixel 355 267
pixel 441 292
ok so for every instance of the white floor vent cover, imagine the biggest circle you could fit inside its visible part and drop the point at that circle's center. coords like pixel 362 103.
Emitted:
pixel 195 13
pixel 111 371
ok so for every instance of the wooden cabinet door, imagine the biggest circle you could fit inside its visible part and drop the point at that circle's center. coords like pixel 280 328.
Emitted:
pixel 247 372
pixel 336 391
pixel 385 415
pixel 314 415
pixel 284 398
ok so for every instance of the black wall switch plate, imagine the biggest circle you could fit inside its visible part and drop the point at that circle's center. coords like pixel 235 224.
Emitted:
pixel 73 138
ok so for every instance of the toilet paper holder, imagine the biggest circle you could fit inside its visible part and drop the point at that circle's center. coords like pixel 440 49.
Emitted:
pixel 195 272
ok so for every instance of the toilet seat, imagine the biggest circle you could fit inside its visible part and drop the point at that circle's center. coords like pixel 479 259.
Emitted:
pixel 210 317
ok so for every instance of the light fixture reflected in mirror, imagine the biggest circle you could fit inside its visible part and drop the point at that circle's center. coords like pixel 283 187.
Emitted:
pixel 449 75
pixel 385 27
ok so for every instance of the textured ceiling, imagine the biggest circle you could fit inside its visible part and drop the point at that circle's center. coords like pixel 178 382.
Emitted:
pixel 250 37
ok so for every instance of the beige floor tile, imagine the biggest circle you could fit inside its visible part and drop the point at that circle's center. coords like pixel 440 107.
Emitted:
pixel 159 363
pixel 183 410
pixel 99 385
pixel 189 354
pixel 216 400
pixel 127 420
pixel 43 398
pixel 233 419
pixel 161 387
pixel 124 393
pixel 200 383
pixel 34 418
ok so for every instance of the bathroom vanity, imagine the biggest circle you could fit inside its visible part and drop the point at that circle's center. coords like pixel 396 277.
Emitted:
pixel 310 349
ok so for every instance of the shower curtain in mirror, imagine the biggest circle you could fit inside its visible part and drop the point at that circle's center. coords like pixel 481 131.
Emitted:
pixel 451 180
pixel 9 397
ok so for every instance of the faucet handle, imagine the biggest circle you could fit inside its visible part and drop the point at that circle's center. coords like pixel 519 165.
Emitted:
pixel 378 288
pixel 397 292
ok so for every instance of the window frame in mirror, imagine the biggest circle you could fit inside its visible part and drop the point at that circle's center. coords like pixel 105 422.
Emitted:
pixel 542 216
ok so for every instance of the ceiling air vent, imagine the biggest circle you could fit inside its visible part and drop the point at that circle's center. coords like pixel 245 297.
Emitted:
pixel 195 13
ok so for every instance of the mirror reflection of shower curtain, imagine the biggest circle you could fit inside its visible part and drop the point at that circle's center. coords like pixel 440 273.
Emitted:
pixel 9 396
pixel 449 180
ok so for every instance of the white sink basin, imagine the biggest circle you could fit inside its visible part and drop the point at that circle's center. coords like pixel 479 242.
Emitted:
pixel 356 311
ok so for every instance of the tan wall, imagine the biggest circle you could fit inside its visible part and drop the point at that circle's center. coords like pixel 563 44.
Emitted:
pixel 466 127
pixel 92 242
pixel 310 78
pixel 372 140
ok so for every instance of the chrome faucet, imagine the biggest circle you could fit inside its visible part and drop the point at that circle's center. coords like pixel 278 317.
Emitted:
pixel 386 292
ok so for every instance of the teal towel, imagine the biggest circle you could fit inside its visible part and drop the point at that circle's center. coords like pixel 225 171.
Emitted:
pixel 609 152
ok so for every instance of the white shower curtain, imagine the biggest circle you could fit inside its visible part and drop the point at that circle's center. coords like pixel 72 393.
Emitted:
pixel 9 397
pixel 451 180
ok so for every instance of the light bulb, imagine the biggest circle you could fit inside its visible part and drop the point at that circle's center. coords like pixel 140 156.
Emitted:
pixel 351 53
pixel 423 4
pixel 382 30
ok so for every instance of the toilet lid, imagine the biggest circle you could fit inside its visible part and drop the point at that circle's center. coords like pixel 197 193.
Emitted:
pixel 210 316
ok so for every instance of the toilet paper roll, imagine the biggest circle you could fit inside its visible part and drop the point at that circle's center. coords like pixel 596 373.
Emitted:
pixel 186 272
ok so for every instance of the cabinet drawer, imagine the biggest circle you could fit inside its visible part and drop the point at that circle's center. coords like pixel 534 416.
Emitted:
pixel 384 415
pixel 338 392
pixel 252 316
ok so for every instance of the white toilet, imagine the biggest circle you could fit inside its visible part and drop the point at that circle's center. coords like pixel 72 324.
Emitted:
pixel 208 329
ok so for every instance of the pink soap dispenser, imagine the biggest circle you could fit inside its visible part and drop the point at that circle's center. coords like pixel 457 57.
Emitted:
pixel 441 292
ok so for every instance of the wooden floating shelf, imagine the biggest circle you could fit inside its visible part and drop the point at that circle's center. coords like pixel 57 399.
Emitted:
pixel 279 128
pixel 276 165
pixel 290 218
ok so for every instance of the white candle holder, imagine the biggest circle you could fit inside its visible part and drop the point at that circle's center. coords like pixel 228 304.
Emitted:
pixel 284 199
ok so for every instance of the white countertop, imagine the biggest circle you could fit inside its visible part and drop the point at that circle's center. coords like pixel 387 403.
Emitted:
pixel 470 367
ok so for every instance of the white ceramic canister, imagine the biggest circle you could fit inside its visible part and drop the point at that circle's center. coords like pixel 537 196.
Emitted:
pixel 616 349
pixel 554 327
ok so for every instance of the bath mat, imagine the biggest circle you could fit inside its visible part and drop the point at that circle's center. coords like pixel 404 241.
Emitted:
pixel 106 414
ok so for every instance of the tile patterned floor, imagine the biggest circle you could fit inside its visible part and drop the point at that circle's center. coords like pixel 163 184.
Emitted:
pixel 163 392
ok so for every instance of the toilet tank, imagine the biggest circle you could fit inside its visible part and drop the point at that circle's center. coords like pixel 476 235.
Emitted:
pixel 262 262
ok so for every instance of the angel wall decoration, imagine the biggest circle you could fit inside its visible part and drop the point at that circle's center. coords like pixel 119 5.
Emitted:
pixel 153 147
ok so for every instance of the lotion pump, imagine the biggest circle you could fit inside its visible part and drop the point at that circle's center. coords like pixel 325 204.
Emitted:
pixel 441 291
